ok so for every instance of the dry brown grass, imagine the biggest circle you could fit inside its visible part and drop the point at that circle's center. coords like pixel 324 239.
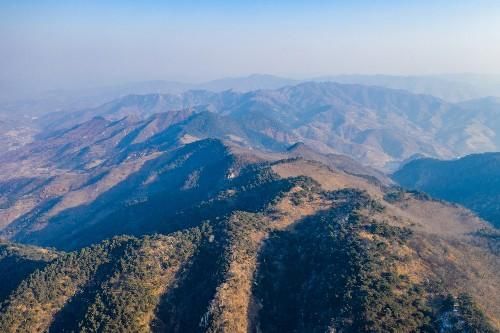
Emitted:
pixel 288 213
pixel 441 249
pixel 461 266
pixel 67 185
pixel 231 302
pixel 89 193
pixel 19 208
pixel 233 306
pixel 436 217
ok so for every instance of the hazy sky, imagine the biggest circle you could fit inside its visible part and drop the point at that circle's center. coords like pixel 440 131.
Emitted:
pixel 75 43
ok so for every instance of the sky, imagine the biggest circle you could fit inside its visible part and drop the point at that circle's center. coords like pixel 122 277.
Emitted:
pixel 68 44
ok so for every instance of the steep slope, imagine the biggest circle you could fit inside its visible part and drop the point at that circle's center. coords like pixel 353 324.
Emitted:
pixel 17 262
pixel 77 279
pixel 96 150
pixel 110 165
pixel 77 185
pixel 104 178
pixel 80 163
pixel 472 181
pixel 133 202
pixel 310 260
pixel 211 125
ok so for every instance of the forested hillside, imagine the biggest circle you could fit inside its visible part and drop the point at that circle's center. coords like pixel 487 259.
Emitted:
pixel 311 255
pixel 472 181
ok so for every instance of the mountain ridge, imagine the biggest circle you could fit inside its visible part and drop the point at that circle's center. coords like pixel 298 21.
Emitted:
pixel 472 181
pixel 237 266
pixel 374 125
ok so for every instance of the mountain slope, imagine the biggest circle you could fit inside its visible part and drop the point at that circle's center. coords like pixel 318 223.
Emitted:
pixel 338 162
pixel 234 223
pixel 472 181
pixel 377 126
pixel 194 177
pixel 101 168
pixel 17 262
pixel 311 260
pixel 138 106
pixel 103 178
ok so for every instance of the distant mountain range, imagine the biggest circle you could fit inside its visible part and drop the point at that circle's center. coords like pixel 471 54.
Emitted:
pixel 452 88
pixel 472 181
pixel 39 103
pixel 378 126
